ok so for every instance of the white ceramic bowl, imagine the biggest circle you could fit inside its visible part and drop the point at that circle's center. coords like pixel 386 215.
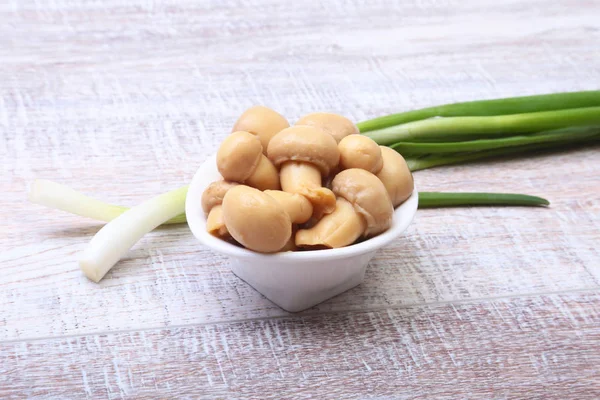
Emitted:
pixel 293 280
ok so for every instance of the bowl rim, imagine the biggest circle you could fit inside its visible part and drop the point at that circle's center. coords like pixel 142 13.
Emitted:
pixel 403 216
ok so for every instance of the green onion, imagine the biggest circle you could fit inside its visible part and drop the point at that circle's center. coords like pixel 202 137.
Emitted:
pixel 61 197
pixel 565 135
pixel 437 199
pixel 417 164
pixel 115 239
pixel 511 105
pixel 460 128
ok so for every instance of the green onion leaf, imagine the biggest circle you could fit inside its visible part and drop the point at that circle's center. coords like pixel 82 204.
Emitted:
pixel 510 105
pixel 467 128
pixel 564 135
pixel 420 163
pixel 439 199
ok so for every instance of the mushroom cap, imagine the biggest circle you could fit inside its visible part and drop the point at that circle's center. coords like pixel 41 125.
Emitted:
pixel 291 244
pixel 396 176
pixel 256 220
pixel 336 125
pixel 262 122
pixel 265 176
pixel 238 156
pixel 214 193
pixel 369 197
pixel 215 224
pixel 358 151
pixel 305 144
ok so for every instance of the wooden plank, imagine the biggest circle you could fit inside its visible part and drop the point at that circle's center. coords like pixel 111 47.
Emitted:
pixel 124 102
pixel 541 347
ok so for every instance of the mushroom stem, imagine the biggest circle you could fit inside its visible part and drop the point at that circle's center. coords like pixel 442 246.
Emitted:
pixel 264 176
pixel 340 228
pixel 305 179
pixel 296 176
pixel 215 224
pixel 297 206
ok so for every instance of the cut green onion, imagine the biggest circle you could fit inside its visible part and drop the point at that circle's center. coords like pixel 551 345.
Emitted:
pixel 115 239
pixel 565 135
pixel 468 128
pixel 61 197
pixel 437 199
pixel 510 105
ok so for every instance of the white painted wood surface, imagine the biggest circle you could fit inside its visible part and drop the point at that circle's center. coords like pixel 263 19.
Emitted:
pixel 125 101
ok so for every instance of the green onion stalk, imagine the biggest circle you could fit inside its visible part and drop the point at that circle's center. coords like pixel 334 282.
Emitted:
pixel 465 132
pixel 427 138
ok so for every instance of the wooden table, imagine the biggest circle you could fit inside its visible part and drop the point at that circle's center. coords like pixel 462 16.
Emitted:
pixel 125 101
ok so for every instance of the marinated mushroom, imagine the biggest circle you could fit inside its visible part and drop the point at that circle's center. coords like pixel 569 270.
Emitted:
pixel 336 125
pixel 358 151
pixel 240 159
pixel 262 122
pixel 368 196
pixel 263 208
pixel 305 154
pixel 297 206
pixel 256 220
pixel 369 202
pixel 291 243
pixel 395 176
pixel 215 224
pixel 338 229
pixel 212 198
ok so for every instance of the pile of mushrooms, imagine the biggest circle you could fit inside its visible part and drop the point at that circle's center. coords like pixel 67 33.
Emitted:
pixel 316 185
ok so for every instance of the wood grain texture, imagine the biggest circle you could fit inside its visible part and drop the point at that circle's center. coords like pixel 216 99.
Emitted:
pixel 542 347
pixel 125 101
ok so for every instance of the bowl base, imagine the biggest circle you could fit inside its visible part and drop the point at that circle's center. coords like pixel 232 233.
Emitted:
pixel 295 289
